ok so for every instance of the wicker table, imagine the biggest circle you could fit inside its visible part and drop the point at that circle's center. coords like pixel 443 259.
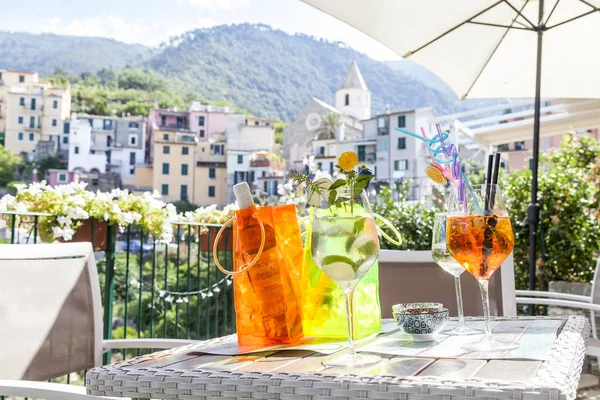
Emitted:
pixel 189 373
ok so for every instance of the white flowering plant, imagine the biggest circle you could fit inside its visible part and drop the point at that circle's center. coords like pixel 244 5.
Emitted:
pixel 70 205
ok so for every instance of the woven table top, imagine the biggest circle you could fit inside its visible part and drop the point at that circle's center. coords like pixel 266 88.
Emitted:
pixel 552 372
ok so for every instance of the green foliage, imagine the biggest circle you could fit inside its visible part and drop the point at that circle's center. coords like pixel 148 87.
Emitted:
pixel 47 164
pixel 569 223
pixel 279 128
pixel 184 206
pixel 414 221
pixel 9 161
pixel 12 187
pixel 128 90
pixel 328 130
pixel 46 52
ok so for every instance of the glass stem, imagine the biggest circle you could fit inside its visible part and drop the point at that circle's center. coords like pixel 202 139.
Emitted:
pixel 459 302
pixel 348 294
pixel 485 298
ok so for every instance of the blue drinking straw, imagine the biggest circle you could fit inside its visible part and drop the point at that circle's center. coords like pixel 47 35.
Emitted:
pixel 448 151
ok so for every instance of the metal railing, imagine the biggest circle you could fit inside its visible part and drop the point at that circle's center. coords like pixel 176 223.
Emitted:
pixel 150 289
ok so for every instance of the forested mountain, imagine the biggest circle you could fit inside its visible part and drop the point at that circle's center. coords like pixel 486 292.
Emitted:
pixel 262 70
pixel 46 52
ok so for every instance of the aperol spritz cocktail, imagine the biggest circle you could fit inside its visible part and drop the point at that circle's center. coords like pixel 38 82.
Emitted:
pixel 479 236
pixel 480 243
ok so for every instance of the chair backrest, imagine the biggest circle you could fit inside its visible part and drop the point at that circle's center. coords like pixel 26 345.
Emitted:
pixel 50 310
pixel 596 285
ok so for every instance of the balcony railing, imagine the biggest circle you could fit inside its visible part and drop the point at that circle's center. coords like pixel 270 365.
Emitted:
pixel 175 127
pixel 152 289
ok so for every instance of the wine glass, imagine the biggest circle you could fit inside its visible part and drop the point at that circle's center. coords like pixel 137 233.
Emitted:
pixel 345 245
pixel 441 255
pixel 480 237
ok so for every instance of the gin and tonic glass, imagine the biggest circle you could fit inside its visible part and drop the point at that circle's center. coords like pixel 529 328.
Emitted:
pixel 345 246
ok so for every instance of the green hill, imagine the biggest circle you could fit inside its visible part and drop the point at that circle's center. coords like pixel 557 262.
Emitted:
pixel 262 70
pixel 46 52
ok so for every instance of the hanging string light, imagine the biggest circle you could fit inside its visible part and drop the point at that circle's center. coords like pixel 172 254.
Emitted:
pixel 183 297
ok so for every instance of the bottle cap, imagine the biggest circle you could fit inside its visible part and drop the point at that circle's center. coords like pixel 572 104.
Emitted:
pixel 243 195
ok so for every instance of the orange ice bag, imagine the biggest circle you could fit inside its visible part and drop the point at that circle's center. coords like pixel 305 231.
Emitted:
pixel 267 267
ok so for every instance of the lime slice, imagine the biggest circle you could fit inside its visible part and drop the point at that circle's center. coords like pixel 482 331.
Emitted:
pixel 339 268
pixel 364 245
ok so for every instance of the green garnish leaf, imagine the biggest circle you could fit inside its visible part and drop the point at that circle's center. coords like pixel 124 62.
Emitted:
pixel 337 184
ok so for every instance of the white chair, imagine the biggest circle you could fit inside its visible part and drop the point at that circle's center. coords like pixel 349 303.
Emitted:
pixel 51 319
pixel 590 303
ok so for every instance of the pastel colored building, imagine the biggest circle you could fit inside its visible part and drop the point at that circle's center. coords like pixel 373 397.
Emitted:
pixel 30 111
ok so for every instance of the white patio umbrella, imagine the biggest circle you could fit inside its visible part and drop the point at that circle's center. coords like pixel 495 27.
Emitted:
pixel 491 48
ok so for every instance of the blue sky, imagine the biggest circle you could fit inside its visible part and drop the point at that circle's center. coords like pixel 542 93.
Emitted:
pixel 151 22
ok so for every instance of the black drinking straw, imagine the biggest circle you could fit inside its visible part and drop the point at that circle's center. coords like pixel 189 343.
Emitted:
pixel 494 180
pixel 488 184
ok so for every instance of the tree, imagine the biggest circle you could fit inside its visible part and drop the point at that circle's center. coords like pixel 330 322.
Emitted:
pixel 9 161
pixel 569 226
pixel 328 130
pixel 47 164
pixel 279 128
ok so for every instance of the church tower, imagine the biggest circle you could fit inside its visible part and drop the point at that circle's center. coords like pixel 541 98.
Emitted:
pixel 354 98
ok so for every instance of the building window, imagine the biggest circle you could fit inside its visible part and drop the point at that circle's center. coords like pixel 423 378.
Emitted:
pixel 361 153
pixel 166 149
pixel 165 136
pixel 65 140
pixel 31 137
pixel 20 135
pixel 164 190
pixel 256 123
pixel 184 169
pixel 184 195
pixel 401 121
pixel 211 191
pixel 134 125
pixel 401 165
pixel 520 145
pixel 21 78
pixel 264 173
pixel 66 128
pixel 33 104
pixel 240 159
pixel 20 119
pixel 165 168
pixel 216 149
pixel 22 101
pixel 401 143
pixel 503 147
pixel 55 104
pixel 107 125
pixel 132 158
pixel 54 122
pixel 163 120
pixel 212 173
pixel 132 140
pixel 108 141
pixel 180 122
pixel 201 121
pixel 347 100
pixel 62 177
pixel 201 133
pixel 76 149
pixel 185 150
pixel 32 122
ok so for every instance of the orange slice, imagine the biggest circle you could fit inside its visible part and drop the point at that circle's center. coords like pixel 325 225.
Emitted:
pixel 436 174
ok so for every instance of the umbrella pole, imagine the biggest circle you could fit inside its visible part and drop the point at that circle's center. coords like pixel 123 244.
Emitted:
pixel 533 211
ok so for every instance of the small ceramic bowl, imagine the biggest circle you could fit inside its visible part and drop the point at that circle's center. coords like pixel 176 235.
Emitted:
pixel 404 306
pixel 421 324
